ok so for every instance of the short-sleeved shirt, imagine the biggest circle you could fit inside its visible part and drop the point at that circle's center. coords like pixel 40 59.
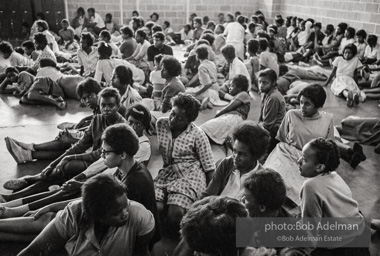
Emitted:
pixel 46 53
pixel 361 49
pixel 80 235
pixel 88 61
pixel 237 67
pixel 67 34
pixel 272 110
pixel 269 60
pixel 17 60
pixel 50 72
pixel 171 89
pixel 234 33
pixel 154 51
pixel 128 47
pixel 197 33
pixel 145 150
pixel 244 108
pixel 98 20
pixel 346 67
pixel 25 80
pixel 131 96
pixel 372 53
pixel 207 73
pixel 343 44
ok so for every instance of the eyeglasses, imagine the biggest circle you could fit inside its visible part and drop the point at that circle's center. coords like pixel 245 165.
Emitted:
pixel 105 152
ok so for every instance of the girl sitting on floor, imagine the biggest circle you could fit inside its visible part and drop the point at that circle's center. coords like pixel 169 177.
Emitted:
pixel 345 70
pixel 218 128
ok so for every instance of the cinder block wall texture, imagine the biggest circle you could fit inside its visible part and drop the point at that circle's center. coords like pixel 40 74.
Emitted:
pixel 357 13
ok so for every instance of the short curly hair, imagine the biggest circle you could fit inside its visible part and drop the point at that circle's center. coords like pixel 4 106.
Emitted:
pixel 40 38
pixel 362 33
pixel 43 24
pixel 326 153
pixel 89 85
pixel 121 138
pixel 315 93
pixel 125 74
pixel 6 47
pixel 270 74
pixel 172 65
pixel 241 82
pixel 105 33
pixel 127 30
pixel 202 52
pixel 141 113
pixel 189 103
pixel 110 93
pixel 352 47
pixel 267 187
pixel 254 136
pixel 105 49
pixel 88 37
pixel 228 51
pixel 210 225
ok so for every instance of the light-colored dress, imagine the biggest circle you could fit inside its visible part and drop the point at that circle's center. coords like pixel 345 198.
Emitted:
pixel 344 75
pixel 296 131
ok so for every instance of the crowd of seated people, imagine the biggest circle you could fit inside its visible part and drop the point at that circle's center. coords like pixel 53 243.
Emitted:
pixel 107 200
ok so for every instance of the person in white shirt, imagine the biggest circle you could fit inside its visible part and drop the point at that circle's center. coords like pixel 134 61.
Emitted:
pixel 235 34
pixel 96 23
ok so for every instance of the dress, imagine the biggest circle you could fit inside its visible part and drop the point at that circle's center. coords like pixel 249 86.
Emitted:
pixel 186 160
pixel 219 128
pixel 344 75
pixel 295 131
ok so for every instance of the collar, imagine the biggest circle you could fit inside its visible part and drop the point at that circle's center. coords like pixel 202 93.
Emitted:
pixel 253 170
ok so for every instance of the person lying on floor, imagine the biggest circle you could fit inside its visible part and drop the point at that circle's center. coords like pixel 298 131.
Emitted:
pixel 16 83
pixel 74 160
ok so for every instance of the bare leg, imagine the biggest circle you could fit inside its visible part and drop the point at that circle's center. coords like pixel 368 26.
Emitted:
pixel 372 90
pixel 175 215
pixel 21 238
pixel 25 225
pixel 373 96
pixel 44 99
pixel 54 145
pixel 46 155
pixel 37 187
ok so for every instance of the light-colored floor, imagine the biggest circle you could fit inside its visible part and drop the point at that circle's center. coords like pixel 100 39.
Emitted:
pixel 38 124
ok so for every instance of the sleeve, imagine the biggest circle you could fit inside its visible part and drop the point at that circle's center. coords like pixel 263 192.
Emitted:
pixel 270 110
pixel 98 72
pixel 263 60
pixel 203 149
pixel 141 53
pixel 359 63
pixel 144 152
pixel 150 54
pixel 65 221
pixel 122 47
pixel 145 221
pixel 284 128
pixel 85 142
pixel 310 205
pixel 166 97
pixel 243 97
pixel 336 62
pixel 204 76
pixel 217 180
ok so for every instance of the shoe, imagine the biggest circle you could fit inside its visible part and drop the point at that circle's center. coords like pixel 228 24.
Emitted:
pixel 62 105
pixel 205 102
pixel 359 149
pixel 27 146
pixel 362 96
pixel 356 98
pixel 15 184
pixel 355 160
pixel 350 99
pixel 19 154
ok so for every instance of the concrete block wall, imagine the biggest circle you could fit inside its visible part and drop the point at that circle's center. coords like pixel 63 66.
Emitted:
pixel 360 14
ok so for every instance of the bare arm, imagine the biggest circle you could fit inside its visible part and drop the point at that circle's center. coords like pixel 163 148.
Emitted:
pixel 332 75
pixel 232 106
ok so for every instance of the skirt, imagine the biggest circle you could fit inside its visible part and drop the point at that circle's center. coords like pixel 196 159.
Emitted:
pixel 342 83
pixel 218 129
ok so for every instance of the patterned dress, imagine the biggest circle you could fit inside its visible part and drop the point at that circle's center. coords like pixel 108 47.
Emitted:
pixel 186 160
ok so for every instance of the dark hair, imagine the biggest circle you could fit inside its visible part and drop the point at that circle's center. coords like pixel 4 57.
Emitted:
pixel 240 19
pixel 105 49
pixel 99 196
pixel 127 30
pixel 280 21
pixel 11 69
pixel 109 92
pixel 272 27
pixel 64 21
pixel 343 26
pixel 222 28
pixel 141 113
pixel 352 47
pixel 167 23
pixel 124 74
pixel 6 47
pixel 254 136
pixel 201 41
pixel 372 39
pixel 232 17
pixel 330 27
pixel 267 187
pixel 159 35
pixel 91 9
pixel 198 20
pixel 209 37
pixel 121 138
pixel 149 25
pixel 229 51
pixel 253 45
pixel 315 93
pixel 362 33
pixel 251 25
pixel 351 31
pixel 43 24
pixel 202 52
pixel 189 103
pixel 241 82
pixel 210 225
pixel 28 44
pixel 135 12
pixel 157 28
pixel 80 9
pixel 172 65
pixel 141 33
pixel 48 62
pixel 105 33
pixel 210 23
pixel 263 44
pixel 109 15
pixel 255 18
pixel 270 74
pixel 19 50
pixel 187 26
pixel 89 85
pixel 156 14
pixel 88 37
pixel 158 58
pixel 40 38
pixel 206 19
pixel 326 153
pixel 318 24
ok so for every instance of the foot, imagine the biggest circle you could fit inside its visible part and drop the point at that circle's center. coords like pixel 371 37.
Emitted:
pixel 355 160
pixel 359 149
pixel 350 99
pixel 62 105
pixel 19 154
pixel 27 146
pixel 15 184
pixel 209 105
pixel 205 101
pixel 356 98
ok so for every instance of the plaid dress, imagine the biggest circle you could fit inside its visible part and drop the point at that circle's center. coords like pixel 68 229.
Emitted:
pixel 186 160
